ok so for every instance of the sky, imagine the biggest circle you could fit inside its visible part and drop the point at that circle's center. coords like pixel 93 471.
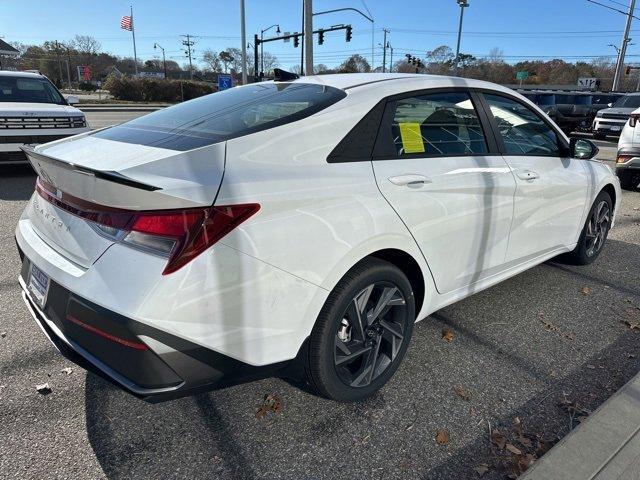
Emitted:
pixel 521 29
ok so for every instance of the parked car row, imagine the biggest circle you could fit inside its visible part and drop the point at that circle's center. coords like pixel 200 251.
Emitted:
pixel 579 111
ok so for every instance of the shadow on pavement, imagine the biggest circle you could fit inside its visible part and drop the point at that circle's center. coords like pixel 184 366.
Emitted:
pixel 17 182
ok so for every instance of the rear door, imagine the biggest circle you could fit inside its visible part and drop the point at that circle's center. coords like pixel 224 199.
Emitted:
pixel 551 191
pixel 439 168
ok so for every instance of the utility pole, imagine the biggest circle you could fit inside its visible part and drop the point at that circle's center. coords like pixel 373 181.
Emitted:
pixel 384 50
pixel 308 39
pixel 623 47
pixel 243 34
pixel 463 4
pixel 188 43
pixel 302 48
pixel 391 58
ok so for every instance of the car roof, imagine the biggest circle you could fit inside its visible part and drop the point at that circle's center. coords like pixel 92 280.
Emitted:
pixel 385 84
pixel 11 73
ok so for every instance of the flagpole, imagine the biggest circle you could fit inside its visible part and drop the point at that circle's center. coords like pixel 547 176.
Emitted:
pixel 133 33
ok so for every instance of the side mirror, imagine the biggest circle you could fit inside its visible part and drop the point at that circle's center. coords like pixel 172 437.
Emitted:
pixel 582 149
pixel 72 100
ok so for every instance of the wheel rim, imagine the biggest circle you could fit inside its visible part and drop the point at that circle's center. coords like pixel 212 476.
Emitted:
pixel 597 228
pixel 370 335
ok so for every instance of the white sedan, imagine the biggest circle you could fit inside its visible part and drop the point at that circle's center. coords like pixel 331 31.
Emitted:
pixel 297 227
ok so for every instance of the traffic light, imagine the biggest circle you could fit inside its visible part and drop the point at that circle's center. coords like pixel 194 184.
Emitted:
pixel 320 37
pixel 296 41
pixel 348 35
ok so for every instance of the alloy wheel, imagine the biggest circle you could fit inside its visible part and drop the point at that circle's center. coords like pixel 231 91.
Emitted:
pixel 597 228
pixel 370 335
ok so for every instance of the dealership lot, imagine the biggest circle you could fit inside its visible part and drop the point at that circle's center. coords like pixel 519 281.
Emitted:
pixel 553 333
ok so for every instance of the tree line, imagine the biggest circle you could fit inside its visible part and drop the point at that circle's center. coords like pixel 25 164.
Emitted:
pixel 52 57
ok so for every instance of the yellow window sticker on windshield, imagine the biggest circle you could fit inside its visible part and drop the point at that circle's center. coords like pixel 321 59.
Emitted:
pixel 411 138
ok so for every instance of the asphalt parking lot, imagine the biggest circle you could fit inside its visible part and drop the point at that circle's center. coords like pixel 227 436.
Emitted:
pixel 553 336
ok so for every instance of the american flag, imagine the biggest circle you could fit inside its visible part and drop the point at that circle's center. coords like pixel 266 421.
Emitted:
pixel 126 23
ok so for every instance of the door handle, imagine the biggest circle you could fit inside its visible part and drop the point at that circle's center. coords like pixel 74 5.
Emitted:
pixel 527 174
pixel 409 180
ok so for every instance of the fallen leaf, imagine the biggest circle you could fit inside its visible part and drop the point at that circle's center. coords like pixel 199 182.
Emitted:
pixel 513 449
pixel 462 393
pixel 3 334
pixel 548 325
pixel 591 367
pixel 44 389
pixel 498 438
pixel 442 437
pixel 271 403
pixel 67 370
pixel 631 325
pixel 585 290
pixel 481 469
pixel 447 335
pixel 525 461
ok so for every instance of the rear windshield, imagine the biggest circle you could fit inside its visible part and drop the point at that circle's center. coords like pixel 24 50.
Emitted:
pixel 29 90
pixel 628 101
pixel 224 115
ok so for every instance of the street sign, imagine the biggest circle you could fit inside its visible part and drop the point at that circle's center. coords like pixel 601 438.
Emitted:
pixel 225 81
pixel 84 73
pixel 522 75
pixel 286 37
pixel 587 82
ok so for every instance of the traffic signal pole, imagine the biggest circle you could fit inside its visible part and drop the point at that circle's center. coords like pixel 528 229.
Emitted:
pixel 296 41
pixel 308 39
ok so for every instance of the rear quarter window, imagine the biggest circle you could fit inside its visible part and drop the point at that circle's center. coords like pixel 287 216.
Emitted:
pixel 225 115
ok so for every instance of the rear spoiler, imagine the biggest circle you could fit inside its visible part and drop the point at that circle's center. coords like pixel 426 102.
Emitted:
pixel 40 159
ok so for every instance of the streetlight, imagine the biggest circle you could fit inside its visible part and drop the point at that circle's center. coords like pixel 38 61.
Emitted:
pixel 164 62
pixel 463 4
pixel 262 48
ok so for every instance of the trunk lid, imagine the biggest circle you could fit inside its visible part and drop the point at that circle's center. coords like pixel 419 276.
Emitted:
pixel 117 175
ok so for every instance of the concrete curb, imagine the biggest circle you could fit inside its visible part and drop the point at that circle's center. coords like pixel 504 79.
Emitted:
pixel 605 446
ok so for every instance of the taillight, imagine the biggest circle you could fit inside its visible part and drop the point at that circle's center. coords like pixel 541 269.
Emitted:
pixel 180 235
pixel 633 119
pixel 623 158
pixel 185 234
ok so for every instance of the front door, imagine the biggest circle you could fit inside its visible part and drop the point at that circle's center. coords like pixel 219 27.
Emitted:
pixel 441 172
pixel 552 187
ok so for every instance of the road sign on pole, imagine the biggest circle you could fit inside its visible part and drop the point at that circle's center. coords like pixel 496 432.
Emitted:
pixel 225 81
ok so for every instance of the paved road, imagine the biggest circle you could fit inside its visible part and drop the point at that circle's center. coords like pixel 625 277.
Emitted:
pixel 97 119
pixel 518 349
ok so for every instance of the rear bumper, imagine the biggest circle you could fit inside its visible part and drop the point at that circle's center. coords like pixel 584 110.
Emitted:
pixel 609 126
pixel 168 367
pixel 632 164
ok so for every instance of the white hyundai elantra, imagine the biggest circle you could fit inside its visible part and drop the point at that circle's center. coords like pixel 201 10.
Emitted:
pixel 297 227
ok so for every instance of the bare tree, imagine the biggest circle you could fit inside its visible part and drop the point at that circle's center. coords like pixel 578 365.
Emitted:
pixel 270 62
pixel 212 61
pixel 86 44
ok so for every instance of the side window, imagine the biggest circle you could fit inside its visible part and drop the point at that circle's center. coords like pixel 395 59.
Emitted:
pixel 437 124
pixel 523 131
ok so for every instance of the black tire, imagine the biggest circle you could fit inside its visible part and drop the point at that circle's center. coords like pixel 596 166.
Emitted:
pixel 629 180
pixel 586 250
pixel 337 366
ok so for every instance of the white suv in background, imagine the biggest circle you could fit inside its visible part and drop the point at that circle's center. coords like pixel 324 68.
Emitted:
pixel 33 111
pixel 628 158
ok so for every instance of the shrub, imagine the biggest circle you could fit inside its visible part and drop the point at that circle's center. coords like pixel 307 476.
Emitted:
pixel 156 90
pixel 87 86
